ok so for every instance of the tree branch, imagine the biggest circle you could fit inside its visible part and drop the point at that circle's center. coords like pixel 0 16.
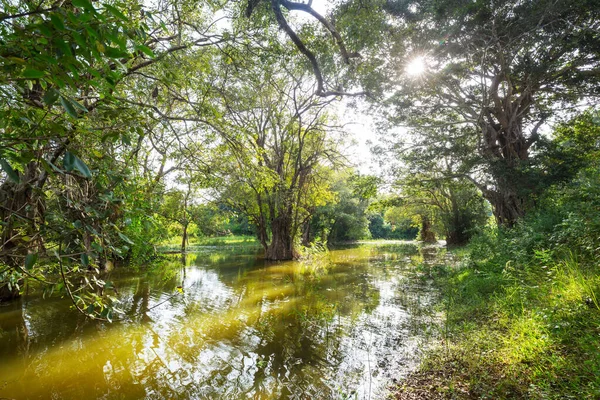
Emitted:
pixel 282 22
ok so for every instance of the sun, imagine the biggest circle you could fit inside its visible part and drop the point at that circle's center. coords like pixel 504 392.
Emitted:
pixel 415 67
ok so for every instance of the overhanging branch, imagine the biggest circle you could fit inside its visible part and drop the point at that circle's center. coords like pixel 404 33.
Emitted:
pixel 283 24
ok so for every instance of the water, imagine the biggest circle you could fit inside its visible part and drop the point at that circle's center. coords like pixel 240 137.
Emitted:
pixel 335 327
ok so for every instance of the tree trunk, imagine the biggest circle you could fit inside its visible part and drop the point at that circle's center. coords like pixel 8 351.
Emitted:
pixel 506 151
pixel 426 234
pixel 282 243
pixel 184 237
pixel 306 234
pixel 18 206
pixel 261 234
pixel 508 207
pixel 457 234
pixel 511 198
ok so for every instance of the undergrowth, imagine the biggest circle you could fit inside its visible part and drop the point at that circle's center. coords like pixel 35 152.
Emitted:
pixel 522 313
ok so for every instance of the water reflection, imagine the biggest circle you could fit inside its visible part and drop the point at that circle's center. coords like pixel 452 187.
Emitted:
pixel 242 328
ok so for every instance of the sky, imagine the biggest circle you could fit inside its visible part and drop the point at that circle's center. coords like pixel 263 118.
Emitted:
pixel 360 129
pixel 358 124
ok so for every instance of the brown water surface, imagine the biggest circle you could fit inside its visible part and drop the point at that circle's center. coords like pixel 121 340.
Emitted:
pixel 333 327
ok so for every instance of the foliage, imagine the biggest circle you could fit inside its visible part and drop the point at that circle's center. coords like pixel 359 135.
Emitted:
pixel 522 310
pixel 95 112
pixel 273 154
pixel 496 73
pixel 346 219
pixel 392 225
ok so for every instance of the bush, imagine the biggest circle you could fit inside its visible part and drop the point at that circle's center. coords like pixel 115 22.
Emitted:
pixel 522 309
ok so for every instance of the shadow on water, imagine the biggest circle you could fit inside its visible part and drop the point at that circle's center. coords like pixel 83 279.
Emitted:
pixel 339 325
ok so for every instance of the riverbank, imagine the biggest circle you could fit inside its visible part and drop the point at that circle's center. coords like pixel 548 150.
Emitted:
pixel 521 321
pixel 174 244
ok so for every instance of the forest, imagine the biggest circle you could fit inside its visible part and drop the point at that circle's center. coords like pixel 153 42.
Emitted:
pixel 184 175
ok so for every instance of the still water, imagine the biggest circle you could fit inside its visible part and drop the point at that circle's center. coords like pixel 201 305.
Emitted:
pixel 338 326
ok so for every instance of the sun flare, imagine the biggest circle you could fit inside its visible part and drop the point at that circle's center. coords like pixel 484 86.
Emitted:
pixel 415 67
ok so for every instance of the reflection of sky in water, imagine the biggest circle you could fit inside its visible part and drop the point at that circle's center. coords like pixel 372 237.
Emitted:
pixel 242 328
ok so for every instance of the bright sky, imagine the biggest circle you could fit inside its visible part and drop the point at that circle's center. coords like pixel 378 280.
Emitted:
pixel 359 126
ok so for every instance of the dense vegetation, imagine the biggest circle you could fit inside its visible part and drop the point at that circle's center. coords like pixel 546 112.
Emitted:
pixel 126 126
pixel 521 307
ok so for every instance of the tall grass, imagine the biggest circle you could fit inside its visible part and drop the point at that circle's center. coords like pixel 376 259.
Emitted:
pixel 522 315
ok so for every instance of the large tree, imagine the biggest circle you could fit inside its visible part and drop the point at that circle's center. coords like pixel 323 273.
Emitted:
pixel 499 71
pixel 276 141
pixel 92 114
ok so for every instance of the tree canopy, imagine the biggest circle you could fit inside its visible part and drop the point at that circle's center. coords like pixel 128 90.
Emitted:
pixel 498 71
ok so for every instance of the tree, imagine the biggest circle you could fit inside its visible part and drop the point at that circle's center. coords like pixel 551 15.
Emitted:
pixel 176 207
pixel 498 70
pixel 574 146
pixel 70 146
pixel 391 223
pixel 345 218
pixel 275 143
pixel 323 87
pixel 94 109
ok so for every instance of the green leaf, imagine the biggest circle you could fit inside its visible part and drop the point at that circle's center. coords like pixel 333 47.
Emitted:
pixel 57 22
pixel 91 32
pixel 12 174
pixel 30 260
pixel 45 30
pixel 49 166
pixel 126 139
pixel 72 162
pixel 83 4
pixel 125 238
pixel 114 52
pixel 64 47
pixel 78 105
pixel 85 260
pixel 81 167
pixel 146 50
pixel 114 11
pixel 31 73
pixel 17 60
pixel 50 96
pixel 69 161
pixel 69 108
pixel 80 40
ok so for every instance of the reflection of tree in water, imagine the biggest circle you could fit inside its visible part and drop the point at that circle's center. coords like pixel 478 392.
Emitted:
pixel 14 333
pixel 243 328
pixel 280 334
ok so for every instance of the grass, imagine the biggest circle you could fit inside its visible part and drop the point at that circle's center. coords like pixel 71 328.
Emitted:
pixel 513 330
pixel 175 242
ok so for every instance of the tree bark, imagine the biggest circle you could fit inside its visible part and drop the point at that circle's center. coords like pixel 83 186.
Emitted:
pixel 20 209
pixel 426 234
pixel 282 242
pixel 184 237
pixel 508 207
pixel 457 235
pixel 306 233
pixel 506 147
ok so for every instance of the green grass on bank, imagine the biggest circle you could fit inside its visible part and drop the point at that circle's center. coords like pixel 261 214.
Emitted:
pixel 521 307
pixel 174 243
pixel 513 330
